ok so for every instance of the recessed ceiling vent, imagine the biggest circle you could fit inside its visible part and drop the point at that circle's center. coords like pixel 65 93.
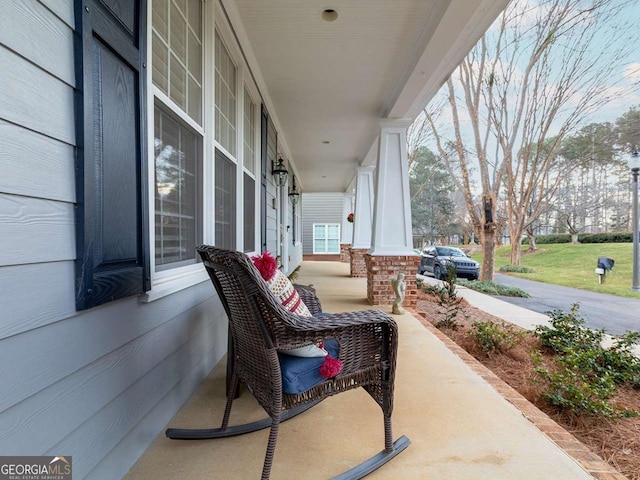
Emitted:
pixel 329 15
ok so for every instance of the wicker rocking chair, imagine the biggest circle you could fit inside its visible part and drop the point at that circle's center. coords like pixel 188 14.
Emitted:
pixel 260 326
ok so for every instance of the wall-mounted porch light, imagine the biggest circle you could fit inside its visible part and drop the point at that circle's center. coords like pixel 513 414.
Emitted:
pixel 279 172
pixel 294 195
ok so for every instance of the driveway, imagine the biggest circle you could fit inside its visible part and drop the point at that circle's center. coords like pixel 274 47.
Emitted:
pixel 599 310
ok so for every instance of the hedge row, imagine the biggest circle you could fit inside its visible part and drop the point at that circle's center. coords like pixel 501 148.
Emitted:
pixel 613 237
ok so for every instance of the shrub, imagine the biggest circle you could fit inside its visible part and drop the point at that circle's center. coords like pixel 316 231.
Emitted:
pixel 587 373
pixel 553 238
pixel 570 388
pixel 567 332
pixel 611 237
pixel 516 269
pixel 293 276
pixel 449 300
pixel 496 337
pixel 428 288
pixel 491 288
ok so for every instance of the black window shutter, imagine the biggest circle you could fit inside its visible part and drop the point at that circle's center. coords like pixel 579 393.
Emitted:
pixel 112 194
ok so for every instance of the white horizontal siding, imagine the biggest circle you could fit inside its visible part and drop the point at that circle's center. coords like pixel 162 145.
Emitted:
pixel 35 99
pixel 32 296
pixel 119 460
pixel 35 230
pixel 35 165
pixel 56 411
pixel 35 33
pixel 319 208
pixel 62 8
pixel 115 420
pixel 47 355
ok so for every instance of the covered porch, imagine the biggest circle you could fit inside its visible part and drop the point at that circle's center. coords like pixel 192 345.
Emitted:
pixel 132 131
pixel 460 426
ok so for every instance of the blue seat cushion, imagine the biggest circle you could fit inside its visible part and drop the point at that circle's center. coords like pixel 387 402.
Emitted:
pixel 299 374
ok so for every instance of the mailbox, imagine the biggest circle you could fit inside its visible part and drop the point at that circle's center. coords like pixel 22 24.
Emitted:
pixel 604 265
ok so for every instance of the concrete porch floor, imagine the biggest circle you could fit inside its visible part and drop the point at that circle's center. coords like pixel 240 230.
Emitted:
pixel 460 427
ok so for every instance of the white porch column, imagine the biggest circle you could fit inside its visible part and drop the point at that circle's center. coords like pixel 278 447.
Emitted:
pixel 392 232
pixel 346 232
pixel 391 251
pixel 363 221
pixel 363 213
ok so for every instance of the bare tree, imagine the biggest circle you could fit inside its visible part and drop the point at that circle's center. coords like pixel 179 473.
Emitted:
pixel 533 78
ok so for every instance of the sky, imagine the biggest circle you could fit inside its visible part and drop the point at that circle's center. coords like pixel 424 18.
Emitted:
pixel 630 72
pixel 624 34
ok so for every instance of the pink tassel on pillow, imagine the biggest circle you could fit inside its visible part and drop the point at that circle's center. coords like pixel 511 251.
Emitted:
pixel 331 367
pixel 266 265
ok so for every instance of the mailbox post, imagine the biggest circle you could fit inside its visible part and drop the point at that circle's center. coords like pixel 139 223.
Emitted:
pixel 604 265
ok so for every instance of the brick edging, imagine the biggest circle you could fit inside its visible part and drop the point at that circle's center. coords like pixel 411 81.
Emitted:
pixel 574 448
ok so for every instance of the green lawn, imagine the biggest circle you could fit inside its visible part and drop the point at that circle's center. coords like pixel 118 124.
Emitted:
pixel 574 266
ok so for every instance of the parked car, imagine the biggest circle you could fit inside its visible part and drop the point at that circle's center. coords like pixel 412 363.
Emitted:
pixel 436 259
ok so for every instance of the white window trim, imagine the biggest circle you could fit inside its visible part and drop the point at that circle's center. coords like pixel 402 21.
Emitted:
pixel 225 35
pixel 252 91
pixel 257 154
pixel 178 279
pixel 175 110
pixel 313 240
pixel 173 280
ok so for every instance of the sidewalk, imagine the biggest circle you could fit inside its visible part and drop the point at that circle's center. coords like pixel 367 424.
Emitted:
pixel 461 427
pixel 506 311
pixel 510 313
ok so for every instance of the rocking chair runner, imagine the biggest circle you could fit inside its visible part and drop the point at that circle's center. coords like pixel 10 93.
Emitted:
pixel 260 326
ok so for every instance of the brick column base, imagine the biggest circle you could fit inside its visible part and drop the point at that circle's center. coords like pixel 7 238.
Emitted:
pixel 358 265
pixel 380 270
pixel 345 253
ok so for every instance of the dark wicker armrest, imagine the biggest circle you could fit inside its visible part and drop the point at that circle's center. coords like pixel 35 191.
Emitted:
pixel 336 321
pixel 367 333
pixel 309 297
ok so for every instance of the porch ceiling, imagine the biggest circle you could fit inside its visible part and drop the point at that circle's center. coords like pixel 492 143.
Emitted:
pixel 332 81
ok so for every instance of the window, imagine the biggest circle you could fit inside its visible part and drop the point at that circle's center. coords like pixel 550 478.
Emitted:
pixel 177 195
pixel 177 53
pixel 225 202
pixel 249 134
pixel 249 213
pixel 177 76
pixel 205 162
pixel 249 162
pixel 225 98
pixel 326 238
